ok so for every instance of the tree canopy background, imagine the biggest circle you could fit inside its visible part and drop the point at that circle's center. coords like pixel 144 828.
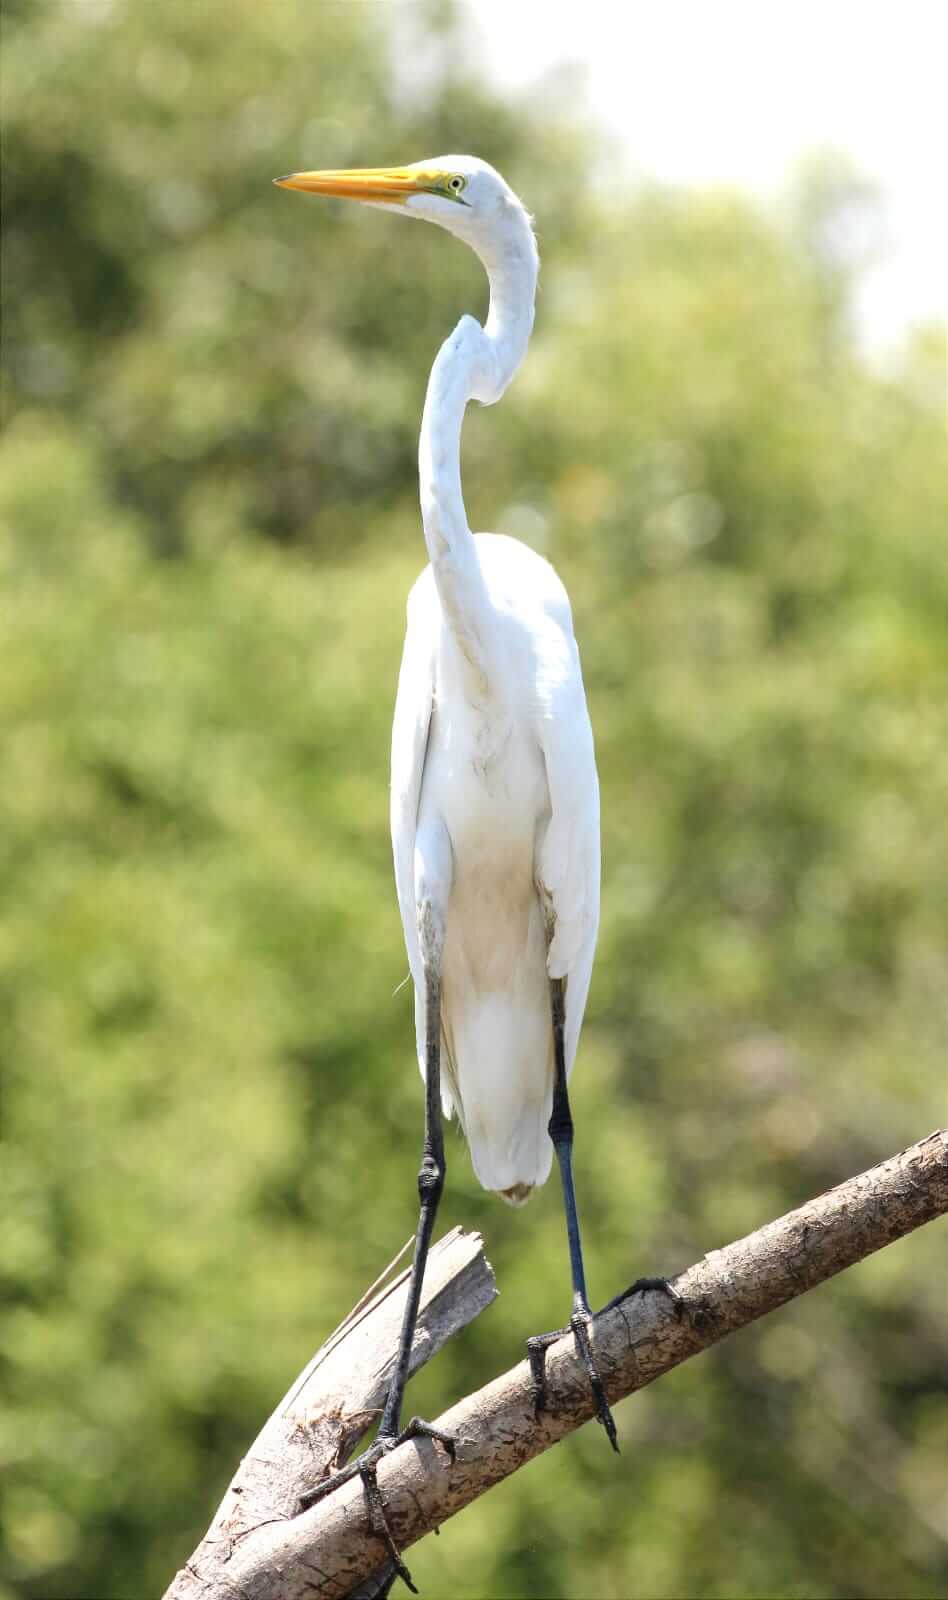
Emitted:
pixel 212 1115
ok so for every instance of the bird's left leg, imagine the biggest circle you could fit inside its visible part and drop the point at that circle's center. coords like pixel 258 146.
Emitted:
pixel 431 924
pixel 561 1133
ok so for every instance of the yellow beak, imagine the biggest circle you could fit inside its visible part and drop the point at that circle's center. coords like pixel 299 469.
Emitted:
pixel 392 184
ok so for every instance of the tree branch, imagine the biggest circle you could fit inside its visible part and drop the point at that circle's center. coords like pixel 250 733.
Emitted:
pixel 336 1398
pixel 331 1549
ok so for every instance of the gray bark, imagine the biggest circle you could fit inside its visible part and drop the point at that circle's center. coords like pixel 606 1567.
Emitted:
pixel 258 1550
pixel 333 1402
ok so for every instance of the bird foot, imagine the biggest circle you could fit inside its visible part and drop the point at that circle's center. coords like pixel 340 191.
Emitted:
pixel 648 1286
pixel 579 1325
pixel 365 1466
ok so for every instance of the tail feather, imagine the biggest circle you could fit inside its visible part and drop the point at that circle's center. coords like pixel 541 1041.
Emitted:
pixel 499 1075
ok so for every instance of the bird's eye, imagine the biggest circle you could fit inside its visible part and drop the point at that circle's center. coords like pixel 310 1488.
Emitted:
pixel 456 183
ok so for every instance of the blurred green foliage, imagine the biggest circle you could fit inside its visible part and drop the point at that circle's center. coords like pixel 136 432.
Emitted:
pixel 211 1112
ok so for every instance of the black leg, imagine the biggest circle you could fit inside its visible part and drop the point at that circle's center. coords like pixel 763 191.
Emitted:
pixel 430 1185
pixel 561 1132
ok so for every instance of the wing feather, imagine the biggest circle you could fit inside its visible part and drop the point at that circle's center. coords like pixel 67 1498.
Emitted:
pixel 410 728
pixel 569 862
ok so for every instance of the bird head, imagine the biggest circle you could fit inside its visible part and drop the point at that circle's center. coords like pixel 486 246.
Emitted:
pixel 460 193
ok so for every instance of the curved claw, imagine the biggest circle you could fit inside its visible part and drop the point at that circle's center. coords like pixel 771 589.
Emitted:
pixel 537 1346
pixel 379 1521
pixel 580 1323
pixel 366 1467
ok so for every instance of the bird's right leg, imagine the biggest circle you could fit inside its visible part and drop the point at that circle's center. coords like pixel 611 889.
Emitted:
pixel 431 900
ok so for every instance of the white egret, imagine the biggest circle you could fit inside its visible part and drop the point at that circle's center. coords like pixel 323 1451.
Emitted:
pixel 495 797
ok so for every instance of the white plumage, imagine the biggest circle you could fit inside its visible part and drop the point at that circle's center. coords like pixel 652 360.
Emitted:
pixel 495 799
pixel 498 796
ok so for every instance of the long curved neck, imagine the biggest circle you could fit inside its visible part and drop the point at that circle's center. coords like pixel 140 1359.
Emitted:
pixel 474 363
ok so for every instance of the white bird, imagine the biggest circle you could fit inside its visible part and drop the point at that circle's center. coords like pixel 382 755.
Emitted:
pixel 495 796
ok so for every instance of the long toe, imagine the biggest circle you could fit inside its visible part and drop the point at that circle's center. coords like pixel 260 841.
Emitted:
pixel 419 1429
pixel 365 1466
pixel 537 1347
pixel 649 1286
pixel 539 1344
pixel 373 1499
pixel 581 1322
pixel 368 1460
